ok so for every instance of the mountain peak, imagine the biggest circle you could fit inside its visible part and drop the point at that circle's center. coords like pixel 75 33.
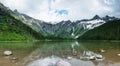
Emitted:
pixel 108 18
pixel 96 17
pixel 15 10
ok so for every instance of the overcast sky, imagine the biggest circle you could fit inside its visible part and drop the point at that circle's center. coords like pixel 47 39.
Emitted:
pixel 57 10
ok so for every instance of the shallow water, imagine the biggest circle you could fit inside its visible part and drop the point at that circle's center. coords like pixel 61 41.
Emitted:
pixel 48 53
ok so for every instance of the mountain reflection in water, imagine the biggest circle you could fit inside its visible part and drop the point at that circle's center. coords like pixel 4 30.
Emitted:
pixel 72 52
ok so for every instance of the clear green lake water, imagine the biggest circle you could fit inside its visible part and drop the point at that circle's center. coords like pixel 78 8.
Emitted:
pixel 34 53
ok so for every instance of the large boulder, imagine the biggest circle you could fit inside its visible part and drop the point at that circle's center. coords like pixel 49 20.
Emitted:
pixel 62 63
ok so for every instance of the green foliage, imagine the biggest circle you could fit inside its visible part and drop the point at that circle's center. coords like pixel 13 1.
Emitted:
pixel 107 31
pixel 12 29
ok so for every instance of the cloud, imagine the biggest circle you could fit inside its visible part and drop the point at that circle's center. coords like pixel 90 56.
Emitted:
pixel 114 5
pixel 57 10
pixel 16 4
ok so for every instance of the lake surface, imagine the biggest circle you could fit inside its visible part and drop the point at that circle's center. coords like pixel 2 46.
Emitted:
pixel 48 53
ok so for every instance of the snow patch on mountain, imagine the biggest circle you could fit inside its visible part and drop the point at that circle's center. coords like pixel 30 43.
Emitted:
pixel 92 24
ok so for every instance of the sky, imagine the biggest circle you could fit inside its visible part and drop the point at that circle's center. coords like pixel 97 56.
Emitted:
pixel 58 10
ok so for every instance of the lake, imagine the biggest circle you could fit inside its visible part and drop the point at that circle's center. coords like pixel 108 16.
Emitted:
pixel 48 53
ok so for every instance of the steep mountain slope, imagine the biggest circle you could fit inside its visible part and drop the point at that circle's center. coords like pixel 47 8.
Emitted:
pixel 107 31
pixel 63 29
pixel 13 29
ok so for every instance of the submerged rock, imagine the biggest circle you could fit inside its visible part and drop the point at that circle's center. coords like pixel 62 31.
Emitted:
pixel 75 53
pixel 69 58
pixel 14 58
pixel 98 56
pixel 91 58
pixel 62 63
pixel 102 51
pixel 8 53
pixel 118 54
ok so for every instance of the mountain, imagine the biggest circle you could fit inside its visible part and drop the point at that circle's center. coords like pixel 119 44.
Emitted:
pixel 96 17
pixel 108 31
pixel 60 30
pixel 63 29
pixel 108 18
pixel 13 29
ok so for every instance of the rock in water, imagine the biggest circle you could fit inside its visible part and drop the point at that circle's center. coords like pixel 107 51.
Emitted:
pixel 92 58
pixel 69 58
pixel 7 53
pixel 62 63
pixel 118 54
pixel 14 58
pixel 102 51
pixel 99 56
